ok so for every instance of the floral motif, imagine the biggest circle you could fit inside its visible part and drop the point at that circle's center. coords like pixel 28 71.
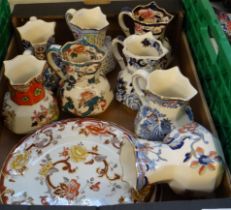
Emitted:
pixel 152 18
pixel 20 161
pixel 120 89
pixel 132 100
pixel 8 113
pixel 171 104
pixel 151 14
pixel 58 168
pixel 125 93
pixel 151 124
pixel 149 163
pixel 68 189
pixel 91 101
pixel 191 127
pixel 146 64
pixel 152 43
pixel 95 187
pixel 203 162
pixel 138 28
pixel 45 115
pixel 74 51
pixel 37 91
pixel 71 82
pixel 194 133
pixel 96 129
pixel 68 105
pixel 71 52
pixel 78 153
pixel 64 153
pixel 189 131
pixel 44 171
pixel 146 14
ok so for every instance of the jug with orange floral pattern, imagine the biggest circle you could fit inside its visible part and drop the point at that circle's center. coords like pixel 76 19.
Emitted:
pixel 84 90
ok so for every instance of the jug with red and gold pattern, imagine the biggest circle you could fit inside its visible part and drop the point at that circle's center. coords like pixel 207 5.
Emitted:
pixel 27 105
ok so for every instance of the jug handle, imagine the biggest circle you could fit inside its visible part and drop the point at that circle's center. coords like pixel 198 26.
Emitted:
pixel 116 52
pixel 121 21
pixel 55 50
pixel 68 15
pixel 139 82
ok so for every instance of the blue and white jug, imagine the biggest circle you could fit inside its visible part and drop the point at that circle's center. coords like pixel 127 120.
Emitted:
pixel 164 95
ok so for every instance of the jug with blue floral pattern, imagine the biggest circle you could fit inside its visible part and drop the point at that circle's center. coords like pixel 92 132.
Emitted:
pixel 164 95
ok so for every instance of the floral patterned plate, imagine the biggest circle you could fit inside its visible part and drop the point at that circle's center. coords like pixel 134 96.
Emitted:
pixel 70 162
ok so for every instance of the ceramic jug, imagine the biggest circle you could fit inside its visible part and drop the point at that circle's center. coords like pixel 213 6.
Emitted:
pixel 28 105
pixel 190 159
pixel 145 18
pixel 164 95
pixel 37 35
pixel 82 25
pixel 141 52
pixel 88 23
pixel 85 91
pixel 148 18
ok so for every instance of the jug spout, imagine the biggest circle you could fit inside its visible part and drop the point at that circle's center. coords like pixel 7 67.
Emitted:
pixel 83 18
pixel 168 84
pixel 37 31
pixel 22 69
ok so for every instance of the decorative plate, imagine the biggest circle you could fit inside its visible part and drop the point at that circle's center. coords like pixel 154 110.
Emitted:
pixel 70 162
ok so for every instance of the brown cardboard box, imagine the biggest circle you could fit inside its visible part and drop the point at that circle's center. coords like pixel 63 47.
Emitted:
pixel 117 112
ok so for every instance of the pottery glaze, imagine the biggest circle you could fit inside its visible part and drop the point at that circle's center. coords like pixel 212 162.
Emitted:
pixel 83 25
pixel 27 100
pixel 94 30
pixel 84 90
pixel 69 162
pixel 164 95
pixel 145 18
pixel 37 35
pixel 190 159
pixel 141 52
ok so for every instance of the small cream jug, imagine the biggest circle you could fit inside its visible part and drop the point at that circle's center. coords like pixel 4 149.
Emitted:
pixel 28 105
pixel 164 95
pixel 37 35
pixel 84 90
pixel 190 159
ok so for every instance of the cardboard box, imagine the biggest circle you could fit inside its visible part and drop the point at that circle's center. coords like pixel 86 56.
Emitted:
pixel 117 112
